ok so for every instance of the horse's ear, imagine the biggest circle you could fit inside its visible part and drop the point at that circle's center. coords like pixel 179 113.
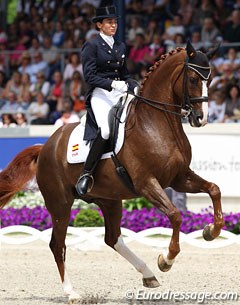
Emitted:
pixel 191 52
pixel 213 51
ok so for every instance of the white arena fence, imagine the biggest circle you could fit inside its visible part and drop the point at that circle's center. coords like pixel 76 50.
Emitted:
pixel 93 238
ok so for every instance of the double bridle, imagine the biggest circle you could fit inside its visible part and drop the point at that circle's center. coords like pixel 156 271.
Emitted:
pixel 187 100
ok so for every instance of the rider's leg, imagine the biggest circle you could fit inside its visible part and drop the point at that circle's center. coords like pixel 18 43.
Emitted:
pixel 101 104
pixel 86 180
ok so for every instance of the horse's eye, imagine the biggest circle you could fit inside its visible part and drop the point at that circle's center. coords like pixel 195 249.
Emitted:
pixel 193 80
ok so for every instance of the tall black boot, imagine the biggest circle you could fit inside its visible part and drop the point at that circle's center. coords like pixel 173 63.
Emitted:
pixel 85 182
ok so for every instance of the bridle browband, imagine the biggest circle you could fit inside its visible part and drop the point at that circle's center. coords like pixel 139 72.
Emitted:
pixel 187 100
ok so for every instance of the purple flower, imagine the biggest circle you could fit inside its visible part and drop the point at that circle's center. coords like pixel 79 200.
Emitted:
pixel 136 220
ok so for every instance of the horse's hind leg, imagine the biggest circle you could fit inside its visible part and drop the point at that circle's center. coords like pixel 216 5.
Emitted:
pixel 112 212
pixel 60 214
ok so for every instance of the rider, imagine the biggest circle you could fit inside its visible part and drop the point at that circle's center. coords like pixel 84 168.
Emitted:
pixel 106 74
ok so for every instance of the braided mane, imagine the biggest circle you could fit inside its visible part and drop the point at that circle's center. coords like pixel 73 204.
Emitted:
pixel 158 63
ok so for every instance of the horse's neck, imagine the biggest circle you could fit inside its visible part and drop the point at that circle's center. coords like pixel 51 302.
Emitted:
pixel 161 119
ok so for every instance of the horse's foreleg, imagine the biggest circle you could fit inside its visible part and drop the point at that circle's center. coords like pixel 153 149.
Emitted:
pixel 58 247
pixel 156 195
pixel 112 211
pixel 196 184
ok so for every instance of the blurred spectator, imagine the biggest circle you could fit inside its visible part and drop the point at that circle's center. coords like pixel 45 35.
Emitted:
pixel 13 84
pixel 39 31
pixel 47 14
pixel 35 47
pixel 179 40
pixel 68 116
pixel 231 30
pixel 236 5
pixel 148 7
pixel 24 6
pixel 25 33
pixel 221 13
pixel 216 109
pixel 4 58
pixel 203 9
pixel 12 35
pixel 135 28
pixel 11 104
pixel 24 96
pixel 58 35
pixel 38 65
pixel 26 66
pixel 7 120
pixel 15 57
pixel 177 27
pixel 41 85
pixel 69 30
pixel 51 56
pixel 217 81
pixel 134 7
pixel 55 97
pixel 232 110
pixel 73 65
pixel 3 81
pixel 20 119
pixel 38 111
pixel 196 41
pixel 231 62
pixel 143 70
pixel 152 31
pixel 34 14
pixel 61 15
pixel 156 49
pixel 76 91
pixel 185 9
pixel 3 36
pixel 138 52
pixel 210 33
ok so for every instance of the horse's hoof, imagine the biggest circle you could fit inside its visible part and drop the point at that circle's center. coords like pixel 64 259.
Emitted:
pixel 150 282
pixel 163 265
pixel 73 298
pixel 207 233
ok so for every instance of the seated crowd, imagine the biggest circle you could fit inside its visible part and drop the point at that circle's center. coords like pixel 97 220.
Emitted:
pixel 41 77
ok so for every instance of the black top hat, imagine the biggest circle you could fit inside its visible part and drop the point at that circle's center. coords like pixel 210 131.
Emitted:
pixel 105 12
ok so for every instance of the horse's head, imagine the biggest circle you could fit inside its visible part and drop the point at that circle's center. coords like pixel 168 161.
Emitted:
pixel 195 85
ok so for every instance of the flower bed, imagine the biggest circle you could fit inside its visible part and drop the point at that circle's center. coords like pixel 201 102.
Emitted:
pixel 136 220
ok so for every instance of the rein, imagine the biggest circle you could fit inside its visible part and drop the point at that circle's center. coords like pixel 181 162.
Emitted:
pixel 155 104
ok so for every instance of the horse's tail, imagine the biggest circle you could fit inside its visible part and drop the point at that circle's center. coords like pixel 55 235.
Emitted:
pixel 18 172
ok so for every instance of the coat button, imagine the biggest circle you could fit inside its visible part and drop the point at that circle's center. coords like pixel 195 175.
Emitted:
pixel 118 63
pixel 109 51
pixel 116 70
pixel 108 62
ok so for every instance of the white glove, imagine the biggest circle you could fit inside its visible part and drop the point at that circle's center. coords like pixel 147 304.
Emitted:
pixel 119 85
pixel 135 90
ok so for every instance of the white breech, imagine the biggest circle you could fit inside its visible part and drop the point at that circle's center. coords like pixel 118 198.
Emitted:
pixel 101 102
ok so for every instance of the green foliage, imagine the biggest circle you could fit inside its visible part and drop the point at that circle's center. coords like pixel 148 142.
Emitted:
pixel 137 204
pixel 88 218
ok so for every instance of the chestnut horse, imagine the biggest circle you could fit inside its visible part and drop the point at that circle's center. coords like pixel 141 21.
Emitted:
pixel 156 154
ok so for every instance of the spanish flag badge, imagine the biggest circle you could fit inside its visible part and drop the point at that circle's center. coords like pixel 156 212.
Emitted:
pixel 75 147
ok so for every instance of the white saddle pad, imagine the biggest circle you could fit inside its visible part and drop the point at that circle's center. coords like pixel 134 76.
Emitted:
pixel 78 150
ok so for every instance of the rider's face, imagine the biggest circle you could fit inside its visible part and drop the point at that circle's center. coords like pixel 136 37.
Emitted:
pixel 108 26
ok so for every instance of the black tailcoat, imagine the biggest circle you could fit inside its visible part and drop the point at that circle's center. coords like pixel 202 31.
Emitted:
pixel 101 65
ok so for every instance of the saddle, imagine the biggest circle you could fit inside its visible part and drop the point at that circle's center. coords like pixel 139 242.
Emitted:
pixel 114 121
